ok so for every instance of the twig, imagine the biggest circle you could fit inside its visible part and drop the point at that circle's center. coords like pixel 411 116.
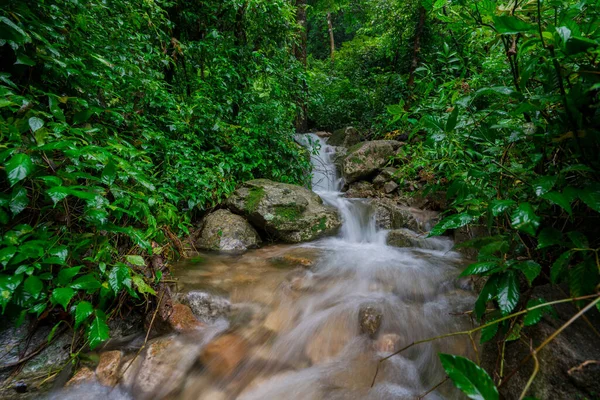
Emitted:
pixel 422 396
pixel 536 368
pixel 471 331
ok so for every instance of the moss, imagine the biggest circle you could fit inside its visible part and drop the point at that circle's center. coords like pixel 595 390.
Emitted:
pixel 320 226
pixel 355 147
pixel 254 197
pixel 287 213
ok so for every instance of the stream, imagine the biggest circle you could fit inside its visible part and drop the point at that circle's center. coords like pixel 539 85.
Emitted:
pixel 312 321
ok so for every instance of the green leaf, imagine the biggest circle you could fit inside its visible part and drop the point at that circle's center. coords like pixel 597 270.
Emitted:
pixel 66 274
pixel 82 116
pixel 35 123
pixel 6 254
pixel 82 312
pixel 119 277
pixel 86 282
pixel 62 296
pixel 559 269
pixel 98 330
pixel 583 278
pixel 470 378
pixel 525 220
pixel 488 333
pixel 488 292
pixel 136 260
pixel 453 222
pixel 534 316
pixel 480 268
pixel 591 196
pixel 452 118
pixel 544 184
pixel 509 25
pixel 33 285
pixel 576 45
pixel 8 285
pixel 508 292
pixel 53 104
pixel 548 237
pixel 578 239
pixel 18 200
pixel 18 167
pixel 499 206
pixel 142 286
pixel 109 173
pixel 10 31
pixel 58 255
pixel 559 200
pixel 530 269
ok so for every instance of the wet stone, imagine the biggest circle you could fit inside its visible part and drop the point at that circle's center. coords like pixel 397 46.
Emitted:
pixel 222 356
pixel 108 367
pixel 207 307
pixel 84 375
pixel 370 320
pixel 182 319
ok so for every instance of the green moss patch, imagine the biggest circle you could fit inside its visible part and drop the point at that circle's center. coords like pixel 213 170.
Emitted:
pixel 254 197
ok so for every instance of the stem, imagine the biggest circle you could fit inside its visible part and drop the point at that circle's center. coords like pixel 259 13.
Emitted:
pixel 536 368
pixel 422 396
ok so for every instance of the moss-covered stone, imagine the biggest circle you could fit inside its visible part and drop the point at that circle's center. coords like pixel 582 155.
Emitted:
pixel 253 199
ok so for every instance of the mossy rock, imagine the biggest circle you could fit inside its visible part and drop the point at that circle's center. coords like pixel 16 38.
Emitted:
pixel 290 213
pixel 224 231
pixel 364 160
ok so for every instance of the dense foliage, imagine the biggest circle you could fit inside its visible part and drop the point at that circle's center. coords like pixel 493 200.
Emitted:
pixel 499 104
pixel 119 119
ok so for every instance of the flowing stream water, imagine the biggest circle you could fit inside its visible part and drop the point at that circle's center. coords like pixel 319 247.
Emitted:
pixel 300 327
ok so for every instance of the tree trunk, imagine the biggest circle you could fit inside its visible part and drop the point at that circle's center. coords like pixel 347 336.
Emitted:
pixel 416 47
pixel 300 53
pixel 331 38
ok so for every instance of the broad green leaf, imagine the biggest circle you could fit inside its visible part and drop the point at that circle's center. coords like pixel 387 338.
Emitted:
pixel 86 282
pixel 470 378
pixel 530 269
pixel 559 269
pixel 544 184
pixel 525 220
pixel 548 237
pixel 82 312
pixel 534 316
pixel 452 118
pixel 142 286
pixel 510 25
pixel 559 200
pixel 58 255
pixel 18 200
pixel 453 222
pixel 135 260
pixel 10 31
pixel 8 285
pixel 53 104
pixel 480 268
pixel 508 292
pixel 82 116
pixel 488 292
pixel 35 123
pixel 515 332
pixel 66 274
pixel 6 254
pixel 488 333
pixel 576 45
pixel 18 167
pixel 591 196
pixel 499 206
pixel 583 278
pixel 33 285
pixel 98 330
pixel 62 296
pixel 578 239
pixel 119 277
pixel 109 173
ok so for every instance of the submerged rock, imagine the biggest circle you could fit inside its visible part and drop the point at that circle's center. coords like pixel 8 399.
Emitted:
pixel 222 356
pixel 291 213
pixel 206 307
pixel 369 319
pixel 329 340
pixel 365 159
pixel 224 231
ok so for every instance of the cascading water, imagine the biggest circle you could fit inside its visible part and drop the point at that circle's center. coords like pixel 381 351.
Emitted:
pixel 315 333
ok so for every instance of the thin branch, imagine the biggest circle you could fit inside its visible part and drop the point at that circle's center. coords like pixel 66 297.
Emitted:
pixel 422 396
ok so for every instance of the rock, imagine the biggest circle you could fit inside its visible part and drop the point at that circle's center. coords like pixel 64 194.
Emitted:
pixel 107 370
pixel 564 368
pixel 304 257
pixel 224 231
pixel 329 340
pixel 390 215
pixel 360 190
pixel 387 343
pixel 182 319
pixel 161 369
pixel 222 356
pixel 345 137
pixel 206 307
pixel 466 233
pixel 390 187
pixel 385 175
pixel 291 213
pixel 323 134
pixel 365 159
pixel 83 375
pixel 369 319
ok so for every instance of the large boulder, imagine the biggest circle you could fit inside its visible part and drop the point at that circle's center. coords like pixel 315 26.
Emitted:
pixel 345 137
pixel 291 213
pixel 365 159
pixel 391 215
pixel 224 231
